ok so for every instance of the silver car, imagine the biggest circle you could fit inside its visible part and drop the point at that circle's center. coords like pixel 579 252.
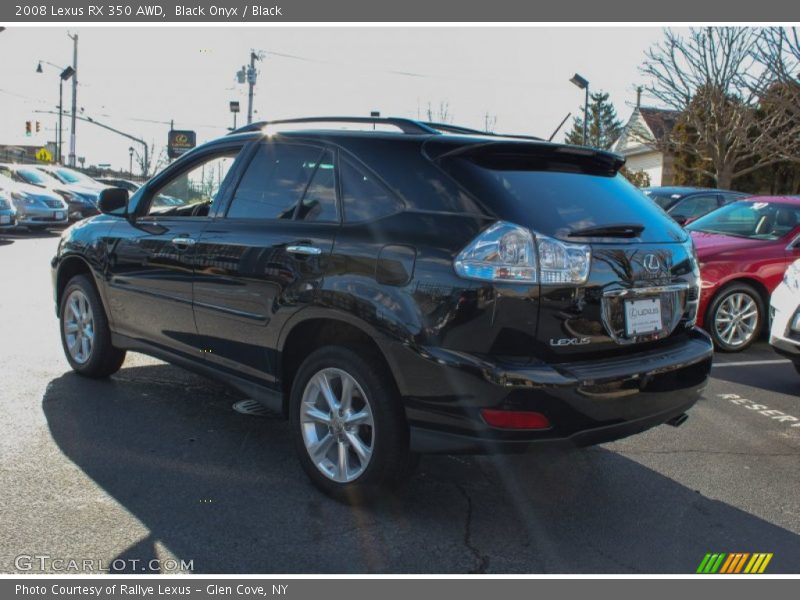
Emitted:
pixel 8 214
pixel 36 208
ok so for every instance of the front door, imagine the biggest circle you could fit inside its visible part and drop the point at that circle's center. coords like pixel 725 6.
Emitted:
pixel 152 254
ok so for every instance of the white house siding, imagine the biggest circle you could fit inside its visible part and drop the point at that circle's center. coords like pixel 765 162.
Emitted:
pixel 651 163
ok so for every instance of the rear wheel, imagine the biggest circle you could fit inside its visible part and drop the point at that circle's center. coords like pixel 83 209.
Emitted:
pixel 349 428
pixel 85 334
pixel 736 317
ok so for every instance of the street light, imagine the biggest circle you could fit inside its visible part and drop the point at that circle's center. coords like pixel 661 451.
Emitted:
pixel 584 85
pixel 65 73
pixel 130 161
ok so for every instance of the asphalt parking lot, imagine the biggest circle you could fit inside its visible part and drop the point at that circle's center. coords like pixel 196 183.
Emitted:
pixel 153 463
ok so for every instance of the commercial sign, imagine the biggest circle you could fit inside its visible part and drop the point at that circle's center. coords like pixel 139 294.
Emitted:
pixel 179 142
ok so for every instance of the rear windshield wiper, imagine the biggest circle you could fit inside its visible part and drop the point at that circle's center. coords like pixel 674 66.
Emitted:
pixel 620 230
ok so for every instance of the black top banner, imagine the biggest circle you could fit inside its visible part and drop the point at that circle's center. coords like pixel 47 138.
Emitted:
pixel 412 11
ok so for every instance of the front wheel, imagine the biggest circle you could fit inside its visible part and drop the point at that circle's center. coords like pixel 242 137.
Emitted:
pixel 736 317
pixel 349 427
pixel 85 334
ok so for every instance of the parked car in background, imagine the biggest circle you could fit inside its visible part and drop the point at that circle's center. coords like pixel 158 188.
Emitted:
pixel 785 312
pixel 686 204
pixel 81 202
pixel 125 184
pixel 743 249
pixel 37 208
pixel 8 214
pixel 397 292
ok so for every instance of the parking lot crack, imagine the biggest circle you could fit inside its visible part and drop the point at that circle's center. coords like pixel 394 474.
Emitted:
pixel 481 560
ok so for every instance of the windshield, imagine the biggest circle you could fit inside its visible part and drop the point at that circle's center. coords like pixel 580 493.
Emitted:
pixel 754 220
pixel 665 201
pixel 36 177
pixel 68 176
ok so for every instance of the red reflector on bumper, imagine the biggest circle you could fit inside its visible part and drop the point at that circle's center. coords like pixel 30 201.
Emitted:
pixel 513 419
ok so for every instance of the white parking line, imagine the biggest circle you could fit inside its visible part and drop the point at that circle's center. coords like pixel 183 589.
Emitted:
pixel 749 363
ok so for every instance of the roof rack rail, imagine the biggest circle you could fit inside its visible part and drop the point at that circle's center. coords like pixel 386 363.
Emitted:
pixel 405 125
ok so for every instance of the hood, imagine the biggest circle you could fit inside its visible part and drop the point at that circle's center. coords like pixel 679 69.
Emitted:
pixel 708 244
pixel 34 190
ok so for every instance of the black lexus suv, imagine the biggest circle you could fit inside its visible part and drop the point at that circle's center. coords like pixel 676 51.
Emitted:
pixel 396 288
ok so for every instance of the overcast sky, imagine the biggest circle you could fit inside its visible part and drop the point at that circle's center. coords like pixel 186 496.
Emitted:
pixel 137 79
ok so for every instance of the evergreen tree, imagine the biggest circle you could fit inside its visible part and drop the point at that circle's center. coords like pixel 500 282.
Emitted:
pixel 604 126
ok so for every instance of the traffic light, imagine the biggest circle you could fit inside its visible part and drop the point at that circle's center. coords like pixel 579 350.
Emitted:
pixel 28 128
pixel 38 127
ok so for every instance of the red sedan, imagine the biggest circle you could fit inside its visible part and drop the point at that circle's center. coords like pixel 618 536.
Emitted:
pixel 743 250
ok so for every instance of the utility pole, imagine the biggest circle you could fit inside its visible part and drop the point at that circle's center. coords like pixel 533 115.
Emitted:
pixel 251 83
pixel 60 119
pixel 74 39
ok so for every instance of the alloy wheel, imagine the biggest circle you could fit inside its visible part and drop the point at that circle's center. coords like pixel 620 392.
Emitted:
pixel 337 425
pixel 78 324
pixel 736 319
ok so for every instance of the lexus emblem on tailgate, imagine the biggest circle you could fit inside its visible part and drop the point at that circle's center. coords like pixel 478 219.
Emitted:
pixel 651 262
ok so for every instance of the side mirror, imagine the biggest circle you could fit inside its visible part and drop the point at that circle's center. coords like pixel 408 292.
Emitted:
pixel 113 201
pixel 680 219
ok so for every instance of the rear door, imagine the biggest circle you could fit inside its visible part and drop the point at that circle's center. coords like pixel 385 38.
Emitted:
pixel 265 256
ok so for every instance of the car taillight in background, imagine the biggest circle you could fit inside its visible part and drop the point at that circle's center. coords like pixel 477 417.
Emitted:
pixel 506 252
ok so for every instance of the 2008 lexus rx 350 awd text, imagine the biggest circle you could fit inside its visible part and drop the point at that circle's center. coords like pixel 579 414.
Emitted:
pixel 405 288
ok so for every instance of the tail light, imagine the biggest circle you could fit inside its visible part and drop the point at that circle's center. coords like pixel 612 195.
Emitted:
pixel 506 252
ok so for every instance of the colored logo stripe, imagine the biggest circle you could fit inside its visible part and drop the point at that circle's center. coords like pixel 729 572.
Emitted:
pixel 734 562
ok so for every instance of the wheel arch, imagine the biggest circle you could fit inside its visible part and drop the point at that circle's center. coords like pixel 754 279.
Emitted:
pixel 320 328
pixel 68 268
pixel 751 281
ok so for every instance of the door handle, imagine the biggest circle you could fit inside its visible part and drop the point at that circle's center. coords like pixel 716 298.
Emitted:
pixel 307 250
pixel 183 241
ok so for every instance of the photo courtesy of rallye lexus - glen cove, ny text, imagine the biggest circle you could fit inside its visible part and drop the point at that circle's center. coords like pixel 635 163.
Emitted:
pixel 395 293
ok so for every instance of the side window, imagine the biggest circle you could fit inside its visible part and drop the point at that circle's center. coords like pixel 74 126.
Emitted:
pixel 319 203
pixel 696 206
pixel 274 181
pixel 363 198
pixel 191 193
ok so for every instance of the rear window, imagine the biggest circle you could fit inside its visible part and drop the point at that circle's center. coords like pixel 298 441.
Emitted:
pixel 560 199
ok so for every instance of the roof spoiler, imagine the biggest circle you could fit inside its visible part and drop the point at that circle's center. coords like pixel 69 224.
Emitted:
pixel 599 160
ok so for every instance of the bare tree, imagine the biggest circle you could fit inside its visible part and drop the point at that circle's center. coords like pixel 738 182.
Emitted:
pixel 722 124
pixel 489 122
pixel 154 161
pixel 777 50
pixel 440 114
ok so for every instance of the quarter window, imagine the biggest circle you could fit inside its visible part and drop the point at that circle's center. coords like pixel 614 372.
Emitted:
pixel 363 198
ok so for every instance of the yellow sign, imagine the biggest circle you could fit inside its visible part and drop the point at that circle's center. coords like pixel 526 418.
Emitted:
pixel 44 154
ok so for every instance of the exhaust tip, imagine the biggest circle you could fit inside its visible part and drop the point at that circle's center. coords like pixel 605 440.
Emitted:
pixel 679 420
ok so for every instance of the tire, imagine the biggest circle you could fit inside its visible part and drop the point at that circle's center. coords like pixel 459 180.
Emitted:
pixel 733 307
pixel 376 419
pixel 82 317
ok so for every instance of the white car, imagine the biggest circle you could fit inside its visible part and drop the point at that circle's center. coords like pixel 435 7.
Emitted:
pixel 784 335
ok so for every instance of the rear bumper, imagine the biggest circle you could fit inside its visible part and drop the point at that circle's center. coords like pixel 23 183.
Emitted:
pixel 585 402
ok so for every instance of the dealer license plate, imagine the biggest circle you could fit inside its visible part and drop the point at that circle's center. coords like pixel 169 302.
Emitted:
pixel 643 316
